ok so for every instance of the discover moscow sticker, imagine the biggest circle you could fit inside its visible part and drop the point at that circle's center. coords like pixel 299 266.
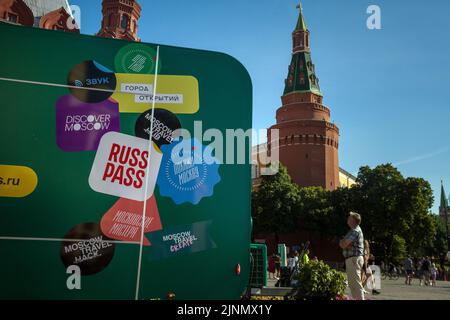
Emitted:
pixel 80 125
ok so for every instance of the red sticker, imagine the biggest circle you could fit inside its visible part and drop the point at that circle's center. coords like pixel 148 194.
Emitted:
pixel 124 220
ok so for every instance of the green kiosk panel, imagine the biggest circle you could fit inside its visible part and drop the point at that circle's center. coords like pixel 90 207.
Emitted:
pixel 103 195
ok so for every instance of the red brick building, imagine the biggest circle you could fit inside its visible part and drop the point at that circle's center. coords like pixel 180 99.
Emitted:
pixel 120 19
pixel 308 144
pixel 46 14
pixel 308 141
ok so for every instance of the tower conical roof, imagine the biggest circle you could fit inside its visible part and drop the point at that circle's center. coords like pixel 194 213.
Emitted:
pixel 444 203
pixel 302 75
pixel 301 24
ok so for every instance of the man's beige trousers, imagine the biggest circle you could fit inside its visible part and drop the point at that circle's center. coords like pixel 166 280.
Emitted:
pixel 353 267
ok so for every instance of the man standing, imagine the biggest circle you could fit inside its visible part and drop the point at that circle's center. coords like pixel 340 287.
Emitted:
pixel 353 250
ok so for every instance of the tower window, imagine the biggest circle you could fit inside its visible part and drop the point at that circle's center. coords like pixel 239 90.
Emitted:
pixel 301 65
pixel 301 79
pixel 124 22
pixel 12 18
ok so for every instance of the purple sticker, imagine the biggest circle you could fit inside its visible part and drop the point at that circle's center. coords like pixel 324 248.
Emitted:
pixel 80 126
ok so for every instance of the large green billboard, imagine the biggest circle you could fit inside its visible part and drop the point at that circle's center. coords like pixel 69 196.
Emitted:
pixel 94 180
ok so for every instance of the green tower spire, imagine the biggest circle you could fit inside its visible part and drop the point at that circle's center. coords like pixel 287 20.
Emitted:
pixel 301 24
pixel 301 73
pixel 444 203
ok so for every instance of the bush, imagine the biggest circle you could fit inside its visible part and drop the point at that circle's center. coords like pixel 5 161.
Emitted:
pixel 316 280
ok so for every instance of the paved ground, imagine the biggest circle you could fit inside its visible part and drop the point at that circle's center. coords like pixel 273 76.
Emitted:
pixel 397 290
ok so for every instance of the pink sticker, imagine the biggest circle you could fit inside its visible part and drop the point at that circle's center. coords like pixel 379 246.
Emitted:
pixel 124 220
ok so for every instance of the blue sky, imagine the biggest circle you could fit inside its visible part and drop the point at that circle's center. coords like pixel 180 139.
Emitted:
pixel 388 90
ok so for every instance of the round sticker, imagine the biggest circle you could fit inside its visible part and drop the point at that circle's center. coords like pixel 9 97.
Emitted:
pixel 91 75
pixel 136 58
pixel 92 253
pixel 164 123
pixel 188 172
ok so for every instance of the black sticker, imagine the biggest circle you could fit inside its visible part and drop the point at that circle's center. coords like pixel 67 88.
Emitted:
pixel 164 123
pixel 92 253
pixel 91 75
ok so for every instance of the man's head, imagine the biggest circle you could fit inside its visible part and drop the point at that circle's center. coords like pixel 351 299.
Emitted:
pixel 353 220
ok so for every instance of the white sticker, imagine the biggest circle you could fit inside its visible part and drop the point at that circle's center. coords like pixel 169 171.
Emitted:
pixel 160 98
pixel 120 166
pixel 137 88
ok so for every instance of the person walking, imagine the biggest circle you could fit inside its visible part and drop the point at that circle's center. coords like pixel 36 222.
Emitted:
pixel 408 266
pixel 277 260
pixel 293 261
pixel 419 271
pixel 426 266
pixel 305 258
pixel 433 272
pixel 271 266
pixel 352 246
pixel 367 278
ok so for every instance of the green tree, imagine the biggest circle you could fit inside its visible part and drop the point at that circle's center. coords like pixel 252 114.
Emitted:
pixel 394 209
pixel 315 210
pixel 343 201
pixel 274 203
pixel 438 247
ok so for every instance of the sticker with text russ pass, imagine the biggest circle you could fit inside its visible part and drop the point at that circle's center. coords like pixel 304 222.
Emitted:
pixel 178 94
pixel 120 166
pixel 124 220
pixel 91 82
pixel 188 171
pixel 87 247
pixel 17 181
pixel 80 125
pixel 164 124
pixel 180 240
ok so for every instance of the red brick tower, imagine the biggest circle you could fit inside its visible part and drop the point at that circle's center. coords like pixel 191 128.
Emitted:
pixel 309 142
pixel 120 19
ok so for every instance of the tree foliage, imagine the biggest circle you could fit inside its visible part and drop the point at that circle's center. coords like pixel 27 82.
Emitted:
pixel 273 205
pixel 395 210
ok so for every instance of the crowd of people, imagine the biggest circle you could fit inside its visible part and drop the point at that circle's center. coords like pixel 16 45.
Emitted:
pixel 424 269
pixel 360 263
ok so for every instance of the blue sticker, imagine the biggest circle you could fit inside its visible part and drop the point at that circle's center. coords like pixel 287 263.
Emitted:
pixel 188 171
pixel 180 240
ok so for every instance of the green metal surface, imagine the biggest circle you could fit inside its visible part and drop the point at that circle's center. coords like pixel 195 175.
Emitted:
pixel 63 197
pixel 258 273
pixel 300 75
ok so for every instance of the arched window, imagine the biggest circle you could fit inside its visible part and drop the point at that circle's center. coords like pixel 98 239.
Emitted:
pixel 124 22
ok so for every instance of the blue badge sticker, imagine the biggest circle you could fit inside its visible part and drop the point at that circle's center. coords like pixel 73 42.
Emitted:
pixel 180 240
pixel 188 171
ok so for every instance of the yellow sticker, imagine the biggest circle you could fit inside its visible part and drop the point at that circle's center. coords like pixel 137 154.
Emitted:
pixel 178 94
pixel 17 181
